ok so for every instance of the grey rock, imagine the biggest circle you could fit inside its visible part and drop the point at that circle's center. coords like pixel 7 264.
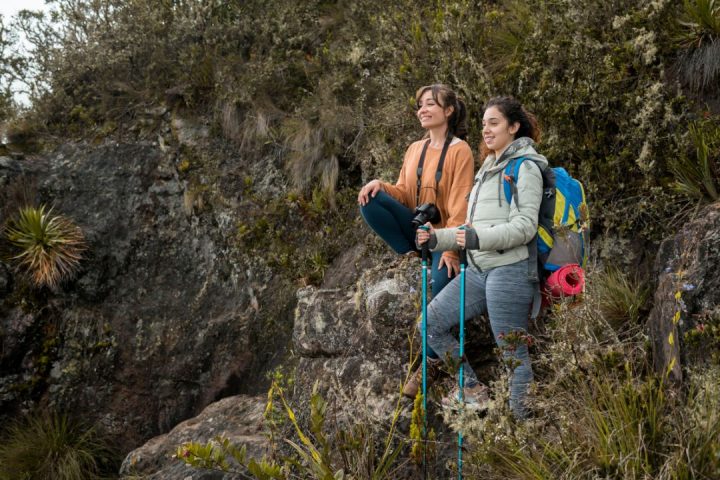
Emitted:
pixel 5 280
pixel 189 131
pixel 354 342
pixel 16 327
pixel 9 163
pixel 238 418
pixel 688 266
pixel 166 315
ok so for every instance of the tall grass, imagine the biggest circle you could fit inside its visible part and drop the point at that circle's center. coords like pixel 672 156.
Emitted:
pixel 696 176
pixel 620 297
pixel 51 446
pixel 599 412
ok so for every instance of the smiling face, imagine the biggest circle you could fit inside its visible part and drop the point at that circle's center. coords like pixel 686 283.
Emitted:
pixel 497 131
pixel 430 113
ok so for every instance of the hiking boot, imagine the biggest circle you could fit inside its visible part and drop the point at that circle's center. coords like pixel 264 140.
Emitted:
pixel 477 397
pixel 415 382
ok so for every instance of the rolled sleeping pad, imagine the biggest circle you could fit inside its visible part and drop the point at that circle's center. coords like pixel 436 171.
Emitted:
pixel 566 281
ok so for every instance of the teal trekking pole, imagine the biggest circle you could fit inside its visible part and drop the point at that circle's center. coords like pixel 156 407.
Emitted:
pixel 461 377
pixel 425 253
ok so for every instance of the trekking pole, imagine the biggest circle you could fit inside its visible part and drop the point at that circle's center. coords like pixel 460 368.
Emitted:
pixel 425 253
pixel 461 377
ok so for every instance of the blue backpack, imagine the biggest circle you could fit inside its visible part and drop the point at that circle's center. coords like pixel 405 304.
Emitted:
pixel 562 236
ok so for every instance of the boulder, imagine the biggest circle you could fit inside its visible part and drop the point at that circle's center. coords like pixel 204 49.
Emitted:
pixel 5 280
pixel 238 418
pixel 688 290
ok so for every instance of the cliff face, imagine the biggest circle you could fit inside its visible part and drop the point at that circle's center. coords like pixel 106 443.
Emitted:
pixel 178 307
pixel 172 311
pixel 167 316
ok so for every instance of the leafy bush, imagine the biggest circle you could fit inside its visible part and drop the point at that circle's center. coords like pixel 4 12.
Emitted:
pixel 50 246
pixel 327 86
pixel 11 66
pixel 45 446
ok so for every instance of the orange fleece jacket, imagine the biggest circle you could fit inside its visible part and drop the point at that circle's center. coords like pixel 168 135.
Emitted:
pixel 455 184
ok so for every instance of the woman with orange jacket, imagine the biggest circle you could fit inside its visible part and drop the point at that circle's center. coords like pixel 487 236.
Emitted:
pixel 389 209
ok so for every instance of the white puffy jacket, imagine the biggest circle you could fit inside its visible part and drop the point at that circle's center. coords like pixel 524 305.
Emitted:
pixel 503 229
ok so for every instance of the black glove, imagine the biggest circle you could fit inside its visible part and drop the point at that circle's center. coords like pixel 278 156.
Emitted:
pixel 471 239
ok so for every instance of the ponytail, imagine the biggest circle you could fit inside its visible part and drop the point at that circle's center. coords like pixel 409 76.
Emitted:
pixel 457 123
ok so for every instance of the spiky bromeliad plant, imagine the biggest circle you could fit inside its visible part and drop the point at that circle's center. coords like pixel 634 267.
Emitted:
pixel 699 36
pixel 48 248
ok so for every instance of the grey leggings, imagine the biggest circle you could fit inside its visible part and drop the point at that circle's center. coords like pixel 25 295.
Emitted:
pixel 505 293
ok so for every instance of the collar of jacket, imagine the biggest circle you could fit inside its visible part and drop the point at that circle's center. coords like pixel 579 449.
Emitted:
pixel 516 145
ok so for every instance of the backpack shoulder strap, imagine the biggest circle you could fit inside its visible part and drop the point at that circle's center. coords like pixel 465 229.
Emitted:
pixel 510 176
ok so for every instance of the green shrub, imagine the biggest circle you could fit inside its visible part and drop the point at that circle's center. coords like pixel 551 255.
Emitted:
pixel 49 246
pixel 51 446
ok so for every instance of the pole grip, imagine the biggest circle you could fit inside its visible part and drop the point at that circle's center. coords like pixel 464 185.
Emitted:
pixel 425 249
pixel 463 251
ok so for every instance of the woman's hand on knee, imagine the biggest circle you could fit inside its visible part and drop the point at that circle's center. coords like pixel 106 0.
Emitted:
pixel 369 191
pixel 452 264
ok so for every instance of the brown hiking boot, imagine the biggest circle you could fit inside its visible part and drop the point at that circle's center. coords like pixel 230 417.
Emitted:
pixel 415 382
pixel 476 397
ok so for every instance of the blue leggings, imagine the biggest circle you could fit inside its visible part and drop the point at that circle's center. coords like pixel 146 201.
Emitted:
pixel 390 219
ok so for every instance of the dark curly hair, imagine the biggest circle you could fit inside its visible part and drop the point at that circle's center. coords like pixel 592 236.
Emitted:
pixel 514 112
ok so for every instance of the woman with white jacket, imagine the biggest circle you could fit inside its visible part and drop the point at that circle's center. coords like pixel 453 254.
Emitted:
pixel 495 236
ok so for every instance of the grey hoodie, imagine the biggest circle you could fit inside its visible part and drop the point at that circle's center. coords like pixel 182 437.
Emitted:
pixel 503 229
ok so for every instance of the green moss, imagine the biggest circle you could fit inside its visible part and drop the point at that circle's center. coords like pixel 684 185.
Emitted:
pixel 184 166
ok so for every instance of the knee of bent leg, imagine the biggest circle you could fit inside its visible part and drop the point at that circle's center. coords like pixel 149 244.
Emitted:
pixel 366 210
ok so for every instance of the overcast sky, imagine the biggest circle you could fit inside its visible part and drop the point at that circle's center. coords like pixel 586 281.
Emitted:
pixel 8 8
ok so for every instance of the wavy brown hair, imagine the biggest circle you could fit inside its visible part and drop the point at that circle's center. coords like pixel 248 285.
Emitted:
pixel 446 97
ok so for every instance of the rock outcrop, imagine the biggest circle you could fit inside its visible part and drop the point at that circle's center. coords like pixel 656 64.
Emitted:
pixel 688 291
pixel 238 419
pixel 167 315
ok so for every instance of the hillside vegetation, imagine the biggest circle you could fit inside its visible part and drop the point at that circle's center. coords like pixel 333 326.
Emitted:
pixel 328 84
